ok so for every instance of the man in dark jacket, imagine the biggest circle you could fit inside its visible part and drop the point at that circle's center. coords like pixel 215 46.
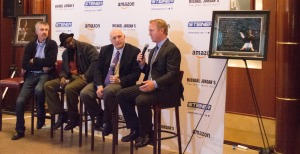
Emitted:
pixel 116 68
pixel 79 60
pixel 160 85
pixel 38 61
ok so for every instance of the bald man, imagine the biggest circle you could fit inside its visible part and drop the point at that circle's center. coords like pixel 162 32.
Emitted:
pixel 116 68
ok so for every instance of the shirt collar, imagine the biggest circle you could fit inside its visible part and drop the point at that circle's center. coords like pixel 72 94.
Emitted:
pixel 40 44
pixel 159 44
pixel 120 50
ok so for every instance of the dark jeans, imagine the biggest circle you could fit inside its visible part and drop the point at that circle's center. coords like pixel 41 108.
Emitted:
pixel 33 86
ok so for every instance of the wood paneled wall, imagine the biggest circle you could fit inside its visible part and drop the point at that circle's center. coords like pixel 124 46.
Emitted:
pixel 239 98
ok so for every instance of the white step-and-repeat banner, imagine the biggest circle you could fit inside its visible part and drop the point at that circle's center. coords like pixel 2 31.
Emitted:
pixel 189 28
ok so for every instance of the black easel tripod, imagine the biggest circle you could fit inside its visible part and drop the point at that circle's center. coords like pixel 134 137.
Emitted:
pixel 265 150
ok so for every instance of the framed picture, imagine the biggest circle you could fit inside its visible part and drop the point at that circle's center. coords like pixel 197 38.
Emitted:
pixel 239 35
pixel 25 28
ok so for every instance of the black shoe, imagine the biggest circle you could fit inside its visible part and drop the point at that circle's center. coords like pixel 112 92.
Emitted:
pixel 40 123
pixel 134 134
pixel 107 128
pixel 17 136
pixel 99 124
pixel 71 124
pixel 62 118
pixel 143 141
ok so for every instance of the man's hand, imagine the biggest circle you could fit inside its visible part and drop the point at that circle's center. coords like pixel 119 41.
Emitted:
pixel 99 92
pixel 82 77
pixel 141 59
pixel 147 86
pixel 46 69
pixel 62 82
pixel 114 79
pixel 31 61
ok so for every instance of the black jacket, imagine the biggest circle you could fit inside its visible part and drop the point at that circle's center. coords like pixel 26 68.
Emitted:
pixel 87 55
pixel 51 50
pixel 129 71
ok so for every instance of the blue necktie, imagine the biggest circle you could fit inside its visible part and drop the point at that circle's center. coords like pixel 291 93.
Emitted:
pixel 151 62
pixel 112 68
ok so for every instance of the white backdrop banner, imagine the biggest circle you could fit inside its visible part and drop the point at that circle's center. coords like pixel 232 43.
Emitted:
pixel 189 28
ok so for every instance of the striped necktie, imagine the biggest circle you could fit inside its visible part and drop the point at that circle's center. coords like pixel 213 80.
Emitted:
pixel 152 61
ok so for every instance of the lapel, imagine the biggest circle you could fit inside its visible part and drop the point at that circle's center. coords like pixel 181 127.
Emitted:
pixel 124 57
pixel 46 46
pixel 108 53
pixel 161 51
pixel 78 50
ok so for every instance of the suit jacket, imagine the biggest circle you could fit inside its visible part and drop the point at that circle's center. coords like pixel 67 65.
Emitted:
pixel 50 52
pixel 129 71
pixel 165 71
pixel 87 55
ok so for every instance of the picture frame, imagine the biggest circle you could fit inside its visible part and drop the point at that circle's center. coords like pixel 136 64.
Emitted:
pixel 25 28
pixel 239 35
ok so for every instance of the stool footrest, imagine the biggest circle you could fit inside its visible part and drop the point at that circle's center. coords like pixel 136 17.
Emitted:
pixel 169 137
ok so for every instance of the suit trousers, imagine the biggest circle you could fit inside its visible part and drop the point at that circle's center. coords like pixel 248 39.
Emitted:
pixel 33 86
pixel 130 97
pixel 88 96
pixel 72 90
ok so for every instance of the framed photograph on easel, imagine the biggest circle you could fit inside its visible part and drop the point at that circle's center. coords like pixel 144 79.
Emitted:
pixel 25 28
pixel 239 35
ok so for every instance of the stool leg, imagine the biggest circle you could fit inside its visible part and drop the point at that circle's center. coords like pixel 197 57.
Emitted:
pixel 32 116
pixel 131 147
pixel 159 131
pixel 114 133
pixel 62 101
pixel 1 108
pixel 62 133
pixel 80 122
pixel 116 123
pixel 155 131
pixel 85 123
pixel 51 125
pixel 92 133
pixel 178 129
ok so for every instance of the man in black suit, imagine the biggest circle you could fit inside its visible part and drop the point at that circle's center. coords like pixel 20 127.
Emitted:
pixel 116 68
pixel 79 60
pixel 160 85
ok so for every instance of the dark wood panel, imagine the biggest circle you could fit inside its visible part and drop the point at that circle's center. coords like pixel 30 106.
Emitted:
pixel 6 47
pixel 47 10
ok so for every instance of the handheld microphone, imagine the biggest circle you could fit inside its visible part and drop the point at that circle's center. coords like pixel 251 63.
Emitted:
pixel 112 67
pixel 144 50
